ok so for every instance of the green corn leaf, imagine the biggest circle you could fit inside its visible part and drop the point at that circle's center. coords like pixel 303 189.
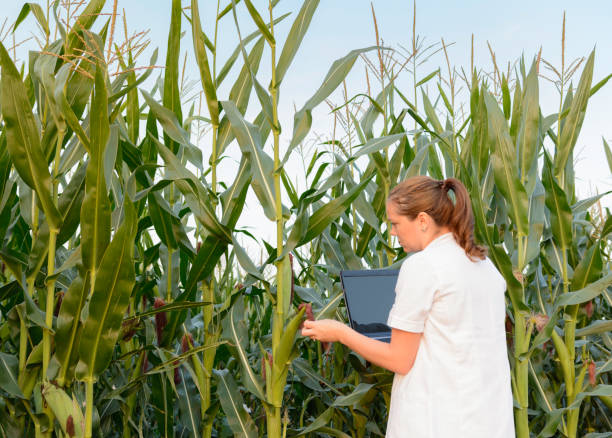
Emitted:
pixel 430 111
pixel 506 103
pixel 287 342
pixel 171 95
pixel 589 268
pixel 543 336
pixel 262 165
pixel 43 72
pixel 95 210
pixel 38 13
pixel 23 138
pixel 262 95
pixel 245 261
pixel 34 314
pixel 497 252
pixel 189 409
pixel 294 39
pixel 15 262
pixel 607 228
pixel 240 94
pixel 211 250
pixel 333 432
pixel 261 25
pixel 174 361
pixel 38 254
pixel 311 378
pixel 325 215
pixel 163 220
pixel 69 326
pixel 302 120
pixel 168 308
pixel 289 187
pixel 367 232
pixel 231 60
pixel 63 406
pixel 553 419
pixel 600 391
pixel 5 172
pixel 537 219
pixel 202 59
pixel 418 163
pixel 573 121
pixel 133 108
pixel 235 330
pixel 382 167
pixel 233 198
pixel 447 103
pixel 132 86
pixel 298 230
pixel 233 405
pixel 203 265
pixel 608 154
pixel 331 181
pixel 333 253
pixel 480 143
pixel 585 204
pixel 528 135
pixel 595 328
pixel 9 374
pixel 65 108
pixel 241 90
pixel 330 307
pixel 172 127
pixel 427 78
pixel 162 403
pixel 560 212
pixel 354 397
pixel 516 110
pixel 351 259
pixel 366 211
pixel 585 294
pixel 282 356
pixel 600 84
pixel 74 40
pixel 505 167
pixel 109 301
pixel 319 422
pixel 69 205
pixel 196 195
pixel 377 144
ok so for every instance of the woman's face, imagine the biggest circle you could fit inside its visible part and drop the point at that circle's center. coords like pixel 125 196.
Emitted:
pixel 406 229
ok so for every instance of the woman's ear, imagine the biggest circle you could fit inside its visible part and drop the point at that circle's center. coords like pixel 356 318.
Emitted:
pixel 423 221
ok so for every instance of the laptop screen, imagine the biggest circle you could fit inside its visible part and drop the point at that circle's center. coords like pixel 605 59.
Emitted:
pixel 369 296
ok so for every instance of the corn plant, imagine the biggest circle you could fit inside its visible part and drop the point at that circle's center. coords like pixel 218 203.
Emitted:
pixel 123 309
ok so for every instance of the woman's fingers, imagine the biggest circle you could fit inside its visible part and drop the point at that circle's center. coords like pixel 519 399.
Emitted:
pixel 324 330
pixel 308 329
pixel 309 324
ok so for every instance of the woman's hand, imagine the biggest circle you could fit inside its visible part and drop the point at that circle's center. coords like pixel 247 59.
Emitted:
pixel 324 330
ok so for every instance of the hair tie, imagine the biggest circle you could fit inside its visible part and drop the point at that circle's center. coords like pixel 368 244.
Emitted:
pixel 445 185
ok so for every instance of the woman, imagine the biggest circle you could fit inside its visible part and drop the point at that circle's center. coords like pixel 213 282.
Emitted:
pixel 448 345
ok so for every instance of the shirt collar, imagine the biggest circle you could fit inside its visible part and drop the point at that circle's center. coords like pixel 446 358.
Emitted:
pixel 441 240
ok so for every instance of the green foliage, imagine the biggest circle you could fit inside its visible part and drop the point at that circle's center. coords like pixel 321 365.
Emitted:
pixel 130 306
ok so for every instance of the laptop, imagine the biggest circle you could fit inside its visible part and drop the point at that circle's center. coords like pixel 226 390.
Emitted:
pixel 369 295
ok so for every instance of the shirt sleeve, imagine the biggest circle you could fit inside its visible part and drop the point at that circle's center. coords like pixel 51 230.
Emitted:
pixel 414 296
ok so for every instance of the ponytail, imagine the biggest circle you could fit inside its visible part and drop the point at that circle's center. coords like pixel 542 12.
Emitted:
pixel 424 194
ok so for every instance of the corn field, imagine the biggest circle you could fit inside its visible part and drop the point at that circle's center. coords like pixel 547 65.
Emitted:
pixel 129 306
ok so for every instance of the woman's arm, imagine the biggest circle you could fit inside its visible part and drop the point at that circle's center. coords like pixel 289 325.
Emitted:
pixel 397 356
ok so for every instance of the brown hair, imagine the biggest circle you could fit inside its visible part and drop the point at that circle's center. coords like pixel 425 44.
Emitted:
pixel 424 194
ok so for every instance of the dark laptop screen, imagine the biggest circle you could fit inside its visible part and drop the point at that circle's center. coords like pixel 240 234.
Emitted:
pixel 369 296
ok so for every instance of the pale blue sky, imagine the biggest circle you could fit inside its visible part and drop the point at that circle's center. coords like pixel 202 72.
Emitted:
pixel 512 28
